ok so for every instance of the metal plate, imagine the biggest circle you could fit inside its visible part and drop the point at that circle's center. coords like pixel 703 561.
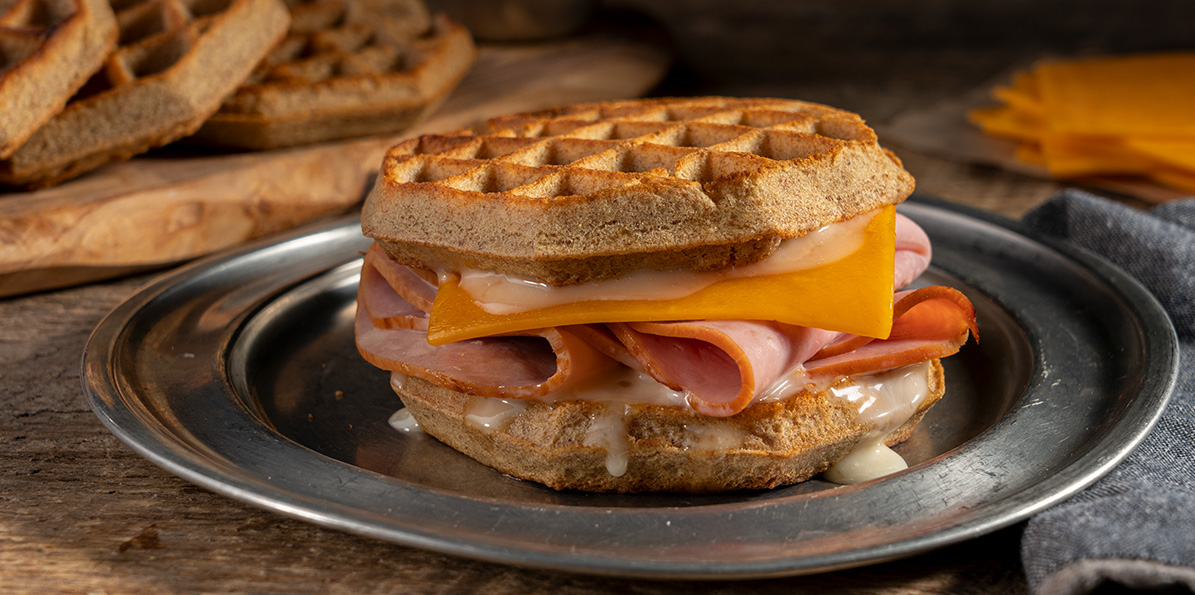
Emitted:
pixel 239 374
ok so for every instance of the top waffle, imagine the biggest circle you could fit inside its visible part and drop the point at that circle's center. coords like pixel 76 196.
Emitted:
pixel 175 62
pixel 48 48
pixel 345 69
pixel 590 191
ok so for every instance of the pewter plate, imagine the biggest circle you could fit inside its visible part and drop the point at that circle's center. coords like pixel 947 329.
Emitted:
pixel 239 374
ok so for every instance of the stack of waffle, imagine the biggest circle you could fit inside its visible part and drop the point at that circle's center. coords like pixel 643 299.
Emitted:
pixel 1107 120
pixel 87 82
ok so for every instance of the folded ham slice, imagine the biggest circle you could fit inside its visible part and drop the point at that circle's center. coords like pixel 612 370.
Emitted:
pixel 913 252
pixel 721 364
pixel 393 336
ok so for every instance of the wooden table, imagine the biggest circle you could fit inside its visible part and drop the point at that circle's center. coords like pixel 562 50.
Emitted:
pixel 80 512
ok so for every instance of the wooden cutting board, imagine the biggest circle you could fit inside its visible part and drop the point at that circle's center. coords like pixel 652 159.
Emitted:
pixel 168 207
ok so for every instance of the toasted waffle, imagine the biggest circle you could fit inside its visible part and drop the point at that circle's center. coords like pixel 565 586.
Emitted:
pixel 176 61
pixel 591 191
pixel 345 69
pixel 48 48
pixel 782 442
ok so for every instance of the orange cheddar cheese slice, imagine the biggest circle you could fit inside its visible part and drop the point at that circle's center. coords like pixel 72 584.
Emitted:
pixel 1023 95
pixel 1030 153
pixel 1173 152
pixel 1006 122
pixel 1179 179
pixel 852 294
pixel 1070 156
pixel 1147 94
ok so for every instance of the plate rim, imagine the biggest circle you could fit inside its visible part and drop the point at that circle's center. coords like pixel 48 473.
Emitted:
pixel 107 399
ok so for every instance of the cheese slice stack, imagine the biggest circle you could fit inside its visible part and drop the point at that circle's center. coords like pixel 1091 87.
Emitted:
pixel 1111 116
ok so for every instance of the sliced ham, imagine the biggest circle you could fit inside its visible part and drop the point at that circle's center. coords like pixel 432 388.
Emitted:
pixel 413 287
pixel 936 312
pixel 516 367
pixel 913 252
pixel 722 365
pixel 930 322
pixel 385 307
pixel 602 338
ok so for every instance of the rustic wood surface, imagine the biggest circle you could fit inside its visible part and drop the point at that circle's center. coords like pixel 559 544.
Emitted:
pixel 81 513
pixel 174 205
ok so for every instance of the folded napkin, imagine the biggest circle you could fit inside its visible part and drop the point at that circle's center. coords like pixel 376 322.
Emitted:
pixel 1134 528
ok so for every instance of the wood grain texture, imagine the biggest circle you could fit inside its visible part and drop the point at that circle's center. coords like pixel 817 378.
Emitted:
pixel 171 206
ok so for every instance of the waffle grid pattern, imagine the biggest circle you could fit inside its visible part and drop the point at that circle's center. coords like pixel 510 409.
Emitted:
pixel 325 42
pixel 591 191
pixel 154 36
pixel 26 24
pixel 589 149
pixel 174 63
pixel 48 49
pixel 345 69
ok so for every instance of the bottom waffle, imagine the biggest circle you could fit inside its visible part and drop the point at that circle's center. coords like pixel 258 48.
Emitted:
pixel 662 449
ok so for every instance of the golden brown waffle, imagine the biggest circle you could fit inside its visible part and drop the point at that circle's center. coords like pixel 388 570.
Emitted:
pixel 783 442
pixel 345 69
pixel 591 191
pixel 176 61
pixel 48 48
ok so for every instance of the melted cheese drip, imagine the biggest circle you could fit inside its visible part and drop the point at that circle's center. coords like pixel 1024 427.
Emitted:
pixel 869 460
pixel 623 385
pixel 403 421
pixel 713 437
pixel 608 430
pixel 493 415
pixel 885 401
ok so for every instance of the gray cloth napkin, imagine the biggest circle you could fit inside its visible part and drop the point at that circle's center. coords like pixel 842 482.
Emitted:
pixel 1134 529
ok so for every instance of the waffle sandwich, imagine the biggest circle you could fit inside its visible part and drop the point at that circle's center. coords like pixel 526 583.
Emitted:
pixel 345 69
pixel 175 63
pixel 688 295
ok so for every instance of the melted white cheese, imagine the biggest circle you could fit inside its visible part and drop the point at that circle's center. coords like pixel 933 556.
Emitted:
pixel 608 430
pixel 498 293
pixel 624 385
pixel 794 382
pixel 869 460
pixel 403 421
pixel 491 414
pixel 713 437
pixel 885 401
